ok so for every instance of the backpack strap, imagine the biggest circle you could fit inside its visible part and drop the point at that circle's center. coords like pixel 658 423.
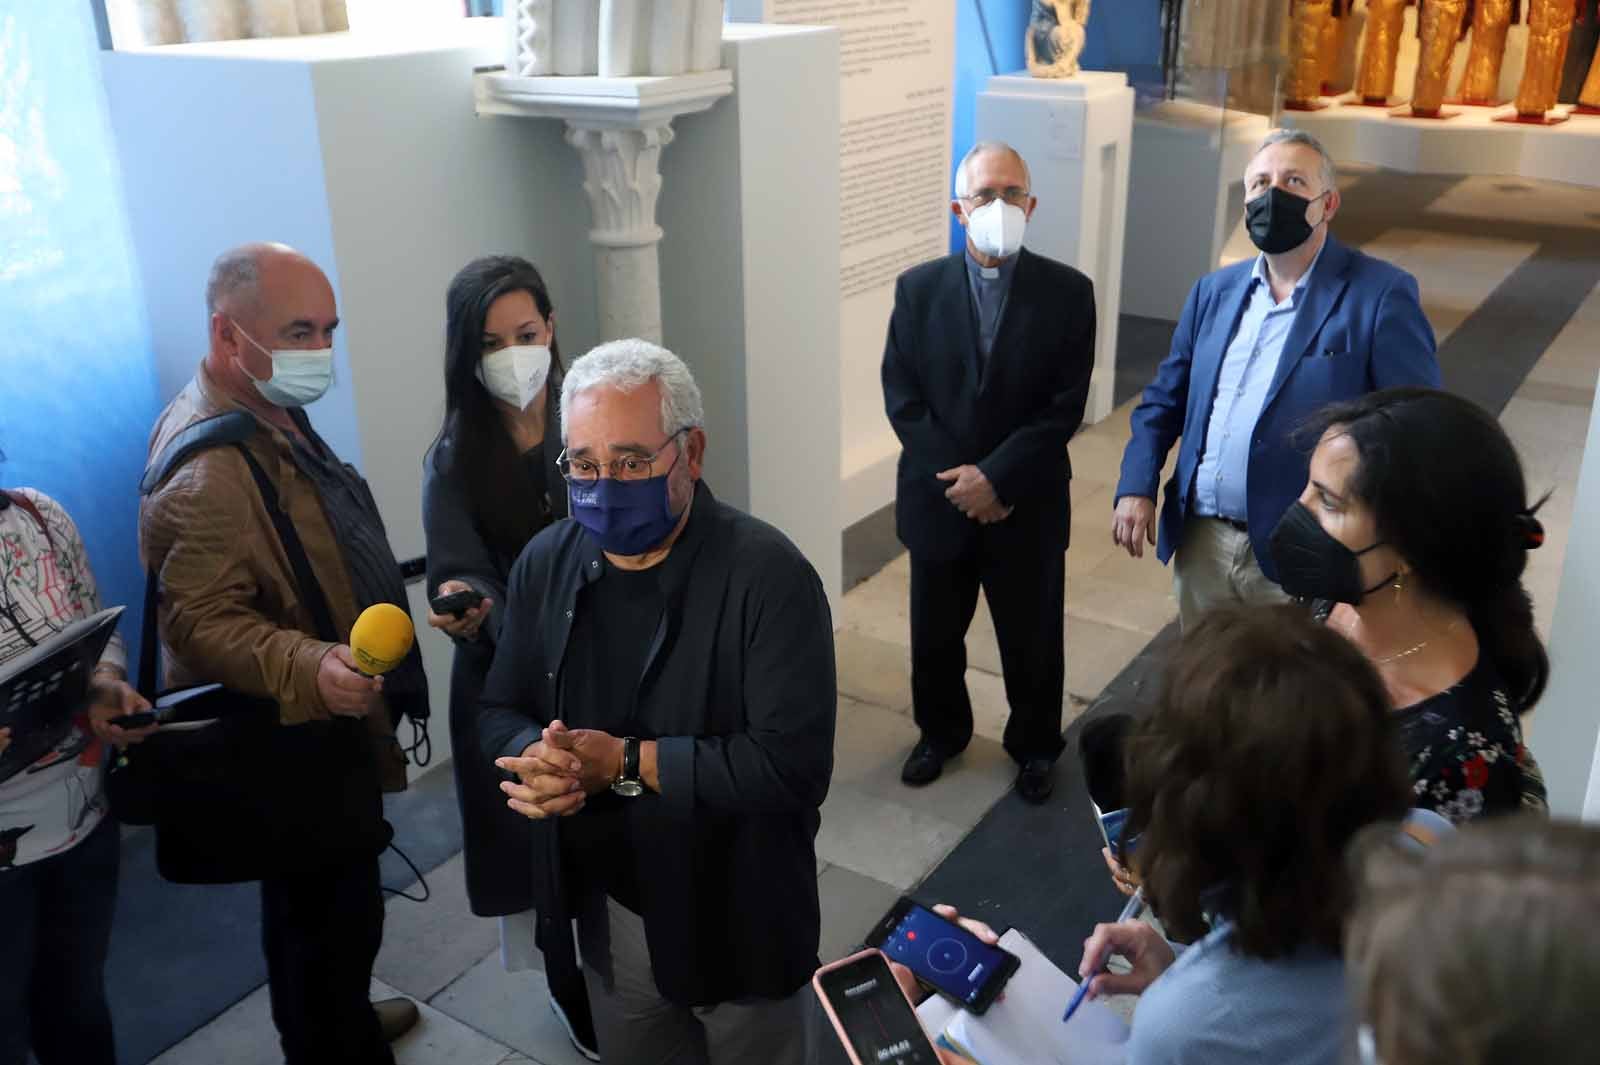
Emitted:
pixel 234 427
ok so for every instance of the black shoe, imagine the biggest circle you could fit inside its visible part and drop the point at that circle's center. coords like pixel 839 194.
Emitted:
pixel 1037 780
pixel 579 1023
pixel 923 766
pixel 396 1017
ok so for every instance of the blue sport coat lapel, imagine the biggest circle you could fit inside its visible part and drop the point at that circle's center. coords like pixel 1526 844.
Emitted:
pixel 1322 295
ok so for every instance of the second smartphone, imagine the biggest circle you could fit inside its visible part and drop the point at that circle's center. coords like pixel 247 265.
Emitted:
pixel 944 955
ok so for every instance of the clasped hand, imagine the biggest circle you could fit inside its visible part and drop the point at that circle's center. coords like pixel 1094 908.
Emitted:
pixel 971 493
pixel 556 775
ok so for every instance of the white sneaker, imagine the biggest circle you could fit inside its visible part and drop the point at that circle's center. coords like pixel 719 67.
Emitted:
pixel 561 1015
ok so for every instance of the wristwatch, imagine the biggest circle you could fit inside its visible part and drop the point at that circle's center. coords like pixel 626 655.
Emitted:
pixel 628 785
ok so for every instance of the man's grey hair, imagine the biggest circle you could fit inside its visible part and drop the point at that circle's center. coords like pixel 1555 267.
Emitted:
pixel 1330 173
pixel 984 148
pixel 629 364
pixel 234 278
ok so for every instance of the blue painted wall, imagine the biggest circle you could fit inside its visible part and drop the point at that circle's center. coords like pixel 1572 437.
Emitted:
pixel 1123 35
pixel 77 388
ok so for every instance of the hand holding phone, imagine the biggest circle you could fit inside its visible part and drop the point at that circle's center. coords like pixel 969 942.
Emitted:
pixel 455 604
pixel 143 719
pixel 944 955
pixel 871 1014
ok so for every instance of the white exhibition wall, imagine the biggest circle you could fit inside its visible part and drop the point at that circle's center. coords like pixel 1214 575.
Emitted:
pixel 893 158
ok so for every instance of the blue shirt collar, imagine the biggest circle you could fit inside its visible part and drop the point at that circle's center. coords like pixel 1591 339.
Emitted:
pixel 1259 272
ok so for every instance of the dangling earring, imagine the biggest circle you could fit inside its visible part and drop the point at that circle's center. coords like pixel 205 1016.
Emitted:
pixel 1399 585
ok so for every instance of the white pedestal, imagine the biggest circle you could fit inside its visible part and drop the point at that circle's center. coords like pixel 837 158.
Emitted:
pixel 1185 197
pixel 1565 735
pixel 1077 136
pixel 619 127
pixel 1470 143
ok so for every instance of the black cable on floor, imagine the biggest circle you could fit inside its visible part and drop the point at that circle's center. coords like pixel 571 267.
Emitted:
pixel 427 893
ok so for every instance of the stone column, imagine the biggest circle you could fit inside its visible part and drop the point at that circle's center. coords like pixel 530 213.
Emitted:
pixel 619 128
pixel 622 178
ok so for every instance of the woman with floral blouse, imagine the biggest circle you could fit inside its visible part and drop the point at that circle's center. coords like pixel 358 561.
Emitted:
pixel 58 850
pixel 1411 538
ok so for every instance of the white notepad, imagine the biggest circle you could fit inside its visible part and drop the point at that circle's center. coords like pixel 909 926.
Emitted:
pixel 1024 1027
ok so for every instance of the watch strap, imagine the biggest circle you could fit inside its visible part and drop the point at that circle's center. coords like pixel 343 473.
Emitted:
pixel 630 758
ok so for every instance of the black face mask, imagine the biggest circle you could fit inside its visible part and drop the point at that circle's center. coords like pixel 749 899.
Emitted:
pixel 1313 565
pixel 1277 220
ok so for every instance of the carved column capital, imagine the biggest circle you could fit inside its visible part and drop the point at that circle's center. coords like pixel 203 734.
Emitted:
pixel 622 178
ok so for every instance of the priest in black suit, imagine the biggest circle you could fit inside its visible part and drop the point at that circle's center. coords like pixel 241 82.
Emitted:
pixel 985 375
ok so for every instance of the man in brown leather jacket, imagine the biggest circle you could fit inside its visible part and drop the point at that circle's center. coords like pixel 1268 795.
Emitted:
pixel 232 612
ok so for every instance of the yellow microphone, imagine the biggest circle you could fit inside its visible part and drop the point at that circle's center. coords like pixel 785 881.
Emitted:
pixel 381 638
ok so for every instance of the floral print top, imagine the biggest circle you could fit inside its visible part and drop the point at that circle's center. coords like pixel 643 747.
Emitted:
pixel 46 583
pixel 1466 751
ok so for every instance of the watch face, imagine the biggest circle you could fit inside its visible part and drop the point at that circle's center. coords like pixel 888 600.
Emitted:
pixel 628 789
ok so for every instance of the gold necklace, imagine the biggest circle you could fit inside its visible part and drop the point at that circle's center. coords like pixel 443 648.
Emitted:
pixel 1407 653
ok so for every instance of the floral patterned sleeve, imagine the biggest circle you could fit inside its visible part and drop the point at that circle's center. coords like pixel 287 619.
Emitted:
pixel 1468 759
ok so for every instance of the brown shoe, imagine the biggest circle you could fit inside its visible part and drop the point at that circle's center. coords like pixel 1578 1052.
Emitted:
pixel 396 1017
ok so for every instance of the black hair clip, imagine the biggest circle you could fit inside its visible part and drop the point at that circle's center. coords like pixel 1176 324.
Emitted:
pixel 1532 530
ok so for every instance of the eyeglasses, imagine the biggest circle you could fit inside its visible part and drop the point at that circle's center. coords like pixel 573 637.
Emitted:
pixel 1015 196
pixel 623 468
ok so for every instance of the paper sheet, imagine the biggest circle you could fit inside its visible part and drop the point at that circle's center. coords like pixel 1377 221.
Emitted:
pixel 1024 1027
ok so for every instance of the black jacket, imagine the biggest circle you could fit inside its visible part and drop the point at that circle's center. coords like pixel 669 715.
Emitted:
pixel 1012 420
pixel 738 690
pixel 458 550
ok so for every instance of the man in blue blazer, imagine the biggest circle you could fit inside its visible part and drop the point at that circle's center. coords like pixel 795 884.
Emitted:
pixel 1261 345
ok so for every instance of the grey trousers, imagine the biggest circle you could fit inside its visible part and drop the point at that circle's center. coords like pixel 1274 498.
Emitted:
pixel 636 1026
pixel 1215 565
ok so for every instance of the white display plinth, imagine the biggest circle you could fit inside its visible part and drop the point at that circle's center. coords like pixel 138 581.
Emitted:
pixel 1186 195
pixel 1470 143
pixel 1077 136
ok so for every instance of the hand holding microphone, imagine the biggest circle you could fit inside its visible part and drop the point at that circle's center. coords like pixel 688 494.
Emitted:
pixel 350 679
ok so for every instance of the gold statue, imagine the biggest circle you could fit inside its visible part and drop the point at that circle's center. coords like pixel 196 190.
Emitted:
pixel 1381 52
pixel 1440 29
pixel 1308 21
pixel 1480 84
pixel 1549 31
pixel 1332 46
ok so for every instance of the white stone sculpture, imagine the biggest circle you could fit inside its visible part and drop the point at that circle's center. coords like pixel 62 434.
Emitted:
pixel 178 21
pixel 613 38
pixel 1056 33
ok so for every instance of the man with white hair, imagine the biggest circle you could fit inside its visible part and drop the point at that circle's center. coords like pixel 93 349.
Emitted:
pixel 985 375
pixel 663 694
pixel 1262 345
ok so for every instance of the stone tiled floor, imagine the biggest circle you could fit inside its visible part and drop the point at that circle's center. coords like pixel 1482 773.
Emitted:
pixel 879 839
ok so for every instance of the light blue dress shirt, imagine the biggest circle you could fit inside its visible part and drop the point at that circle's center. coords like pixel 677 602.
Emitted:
pixel 1217 1007
pixel 1246 374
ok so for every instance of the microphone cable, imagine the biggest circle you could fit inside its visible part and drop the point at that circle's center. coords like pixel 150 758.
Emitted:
pixel 427 893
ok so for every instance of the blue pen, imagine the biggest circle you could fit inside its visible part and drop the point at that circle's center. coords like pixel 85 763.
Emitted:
pixel 1129 912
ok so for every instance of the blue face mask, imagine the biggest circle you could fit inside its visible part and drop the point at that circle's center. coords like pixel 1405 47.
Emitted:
pixel 626 517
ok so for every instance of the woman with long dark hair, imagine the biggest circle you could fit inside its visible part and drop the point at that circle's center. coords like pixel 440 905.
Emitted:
pixel 489 486
pixel 1410 539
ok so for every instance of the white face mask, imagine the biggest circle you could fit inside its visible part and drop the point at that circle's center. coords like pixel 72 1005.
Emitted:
pixel 298 377
pixel 996 228
pixel 515 375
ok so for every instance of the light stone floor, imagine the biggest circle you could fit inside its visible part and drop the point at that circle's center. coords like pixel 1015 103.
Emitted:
pixel 877 839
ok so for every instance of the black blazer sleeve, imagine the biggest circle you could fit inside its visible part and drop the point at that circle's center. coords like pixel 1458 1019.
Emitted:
pixel 512 711
pixel 1028 459
pixel 928 444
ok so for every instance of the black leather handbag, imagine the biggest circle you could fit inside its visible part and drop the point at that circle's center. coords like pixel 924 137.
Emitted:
pixel 245 797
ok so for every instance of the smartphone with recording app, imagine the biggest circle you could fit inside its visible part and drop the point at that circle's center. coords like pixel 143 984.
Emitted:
pixel 944 955
pixel 872 1016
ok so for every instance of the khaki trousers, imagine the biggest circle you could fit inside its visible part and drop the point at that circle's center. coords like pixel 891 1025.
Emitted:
pixel 1215 565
